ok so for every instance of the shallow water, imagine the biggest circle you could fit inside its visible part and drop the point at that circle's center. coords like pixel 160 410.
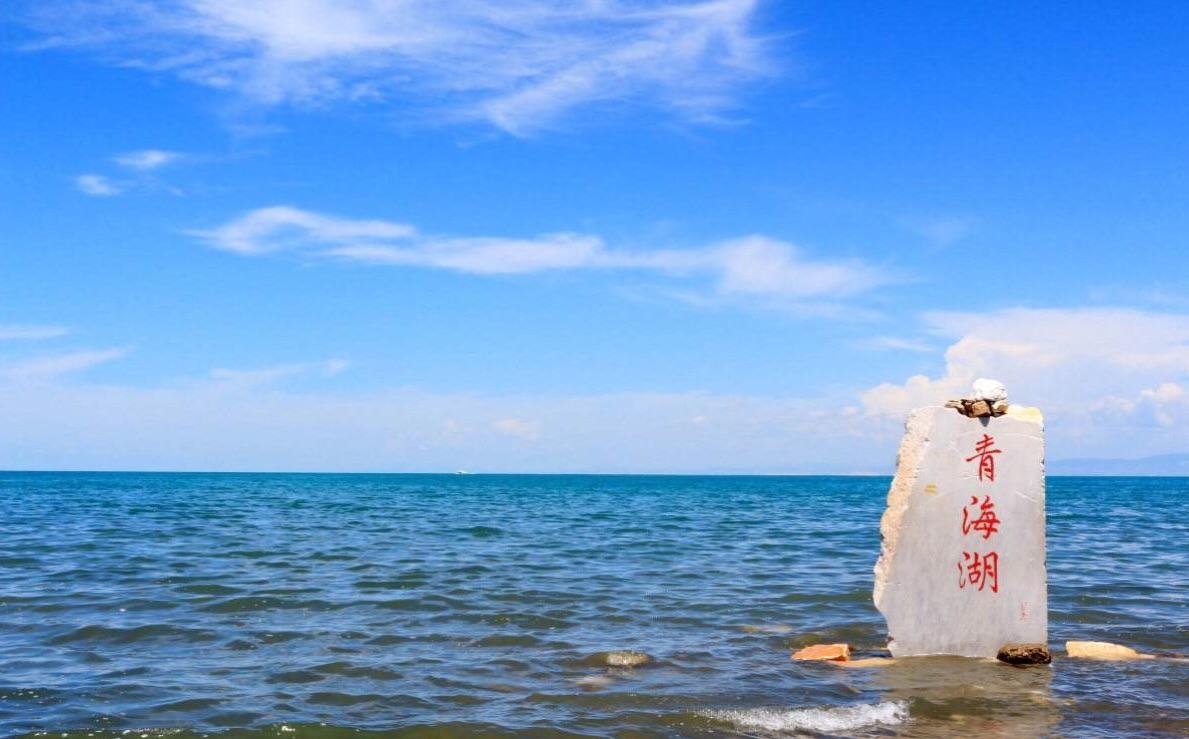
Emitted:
pixel 442 605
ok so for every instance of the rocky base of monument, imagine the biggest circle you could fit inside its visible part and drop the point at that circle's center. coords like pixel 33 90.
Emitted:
pixel 1012 654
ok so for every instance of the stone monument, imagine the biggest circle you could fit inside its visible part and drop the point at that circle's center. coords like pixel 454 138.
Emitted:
pixel 961 569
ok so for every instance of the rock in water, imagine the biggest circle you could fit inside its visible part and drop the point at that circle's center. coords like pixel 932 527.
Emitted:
pixel 1101 650
pixel 865 662
pixel 593 682
pixel 962 567
pixel 834 652
pixel 1024 654
pixel 625 658
pixel 766 628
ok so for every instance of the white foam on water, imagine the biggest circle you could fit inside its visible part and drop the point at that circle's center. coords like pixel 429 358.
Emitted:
pixel 822 720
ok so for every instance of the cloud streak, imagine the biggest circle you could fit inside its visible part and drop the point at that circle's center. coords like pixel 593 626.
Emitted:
pixel 12 332
pixel 268 375
pixel 751 266
pixel 139 171
pixel 98 186
pixel 146 160
pixel 897 343
pixel 942 231
pixel 518 64
pixel 39 369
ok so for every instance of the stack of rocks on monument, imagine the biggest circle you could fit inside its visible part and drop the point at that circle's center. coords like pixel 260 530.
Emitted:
pixel 988 399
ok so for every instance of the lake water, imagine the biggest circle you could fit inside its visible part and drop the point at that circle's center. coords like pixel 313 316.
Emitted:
pixel 446 605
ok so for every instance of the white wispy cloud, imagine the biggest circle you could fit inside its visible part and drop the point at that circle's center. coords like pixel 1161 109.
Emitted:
pixel 98 185
pixel 1165 406
pixel 146 160
pixel 266 375
pixel 898 343
pixel 755 266
pixel 55 365
pixel 138 172
pixel 281 227
pixel 13 331
pixel 942 230
pixel 517 64
pixel 520 428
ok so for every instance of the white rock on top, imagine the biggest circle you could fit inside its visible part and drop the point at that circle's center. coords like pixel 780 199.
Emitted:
pixel 991 391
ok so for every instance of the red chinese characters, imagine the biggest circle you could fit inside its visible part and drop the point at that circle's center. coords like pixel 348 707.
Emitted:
pixel 980 570
pixel 984 452
pixel 986 522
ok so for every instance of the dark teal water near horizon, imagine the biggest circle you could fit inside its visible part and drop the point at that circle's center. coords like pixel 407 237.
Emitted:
pixel 322 605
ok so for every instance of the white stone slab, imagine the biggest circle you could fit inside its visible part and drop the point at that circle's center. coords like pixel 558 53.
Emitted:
pixel 936 596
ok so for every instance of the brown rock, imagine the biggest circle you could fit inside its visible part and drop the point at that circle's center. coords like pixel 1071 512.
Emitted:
pixel 1101 650
pixel 977 408
pixel 835 652
pixel 1024 654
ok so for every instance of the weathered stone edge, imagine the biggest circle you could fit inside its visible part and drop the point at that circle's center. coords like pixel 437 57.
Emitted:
pixel 908 460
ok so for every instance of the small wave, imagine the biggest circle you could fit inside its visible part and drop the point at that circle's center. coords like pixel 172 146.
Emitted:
pixel 209 589
pixel 346 669
pixel 149 632
pixel 409 582
pixel 822 720
pixel 508 640
pixel 189 704
pixel 249 603
pixel 482 532
pixel 295 677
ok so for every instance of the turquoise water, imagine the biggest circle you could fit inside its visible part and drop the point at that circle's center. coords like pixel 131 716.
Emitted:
pixel 441 605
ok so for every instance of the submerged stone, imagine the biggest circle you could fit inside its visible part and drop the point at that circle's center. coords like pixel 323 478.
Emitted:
pixel 1101 650
pixel 593 682
pixel 962 565
pixel 1024 654
pixel 766 628
pixel 835 652
pixel 625 658
pixel 866 662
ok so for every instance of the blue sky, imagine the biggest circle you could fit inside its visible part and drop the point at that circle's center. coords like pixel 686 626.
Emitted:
pixel 702 236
